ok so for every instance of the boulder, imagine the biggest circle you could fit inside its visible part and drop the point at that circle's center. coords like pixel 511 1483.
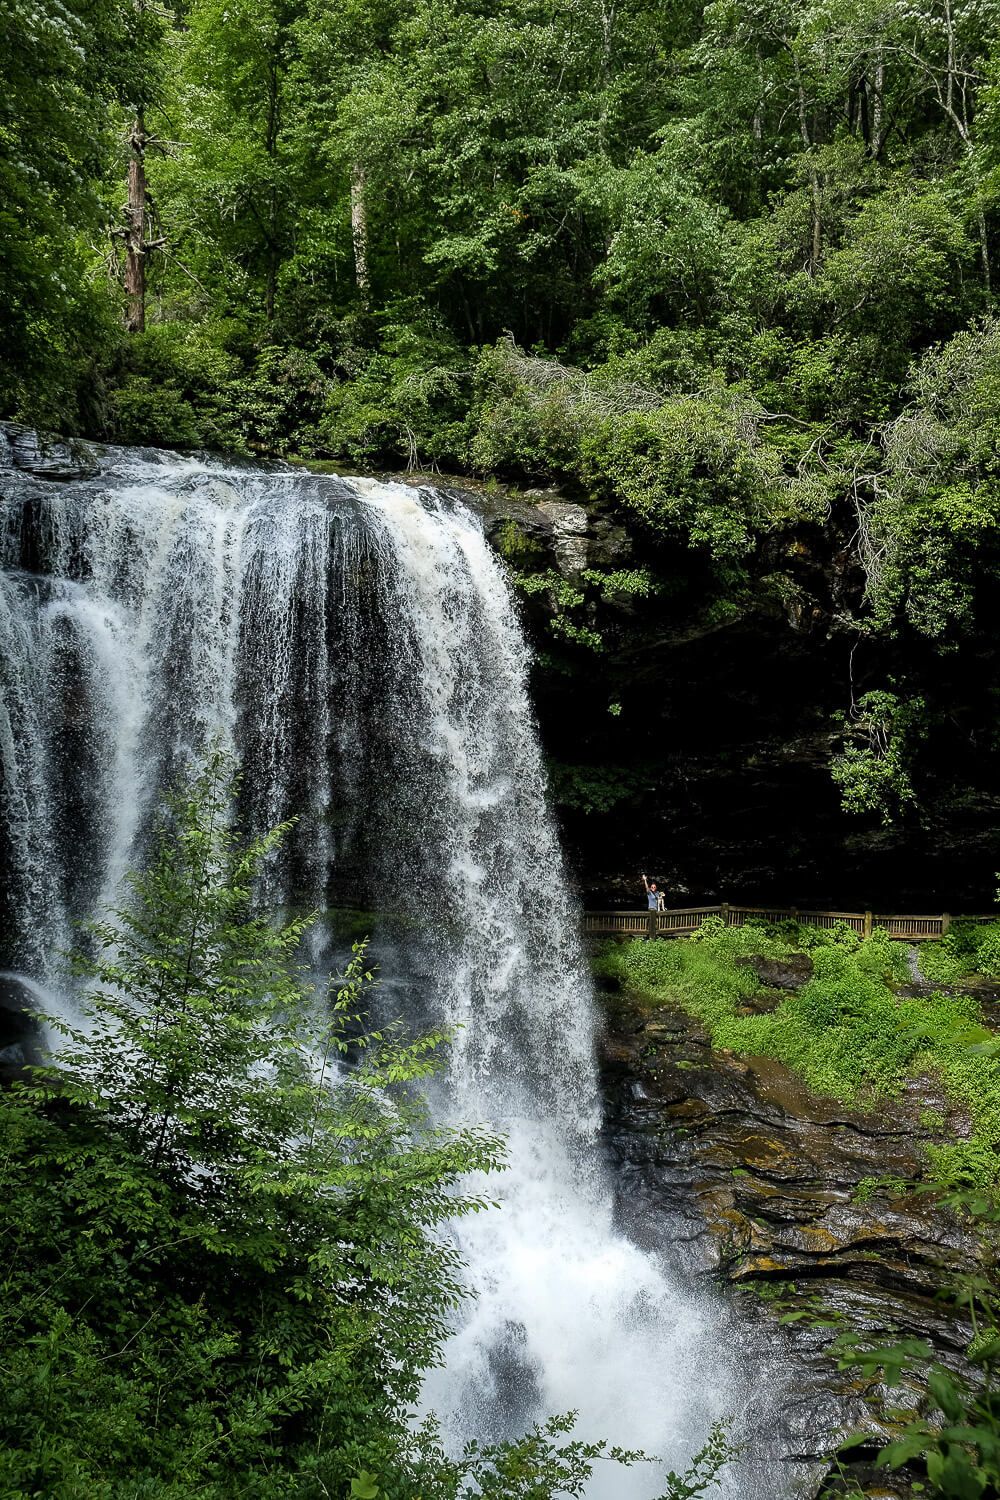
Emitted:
pixel 46 458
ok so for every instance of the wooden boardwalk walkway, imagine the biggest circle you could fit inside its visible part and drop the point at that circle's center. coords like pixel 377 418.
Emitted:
pixel 682 921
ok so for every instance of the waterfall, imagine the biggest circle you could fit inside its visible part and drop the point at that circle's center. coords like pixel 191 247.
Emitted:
pixel 355 644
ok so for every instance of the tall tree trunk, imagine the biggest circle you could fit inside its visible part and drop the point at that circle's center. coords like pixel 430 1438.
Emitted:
pixel 984 241
pixel 815 190
pixel 608 8
pixel 878 107
pixel 135 229
pixel 984 248
pixel 359 231
pixel 271 282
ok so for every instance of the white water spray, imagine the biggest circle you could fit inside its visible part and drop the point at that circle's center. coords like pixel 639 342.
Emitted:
pixel 356 645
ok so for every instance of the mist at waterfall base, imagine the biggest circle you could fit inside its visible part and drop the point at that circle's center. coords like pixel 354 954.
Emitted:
pixel 354 643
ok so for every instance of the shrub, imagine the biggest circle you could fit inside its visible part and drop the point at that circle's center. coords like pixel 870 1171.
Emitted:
pixel 173 390
pixel 226 1263
pixel 969 948
pixel 226 1207
pixel 210 386
pixel 988 952
pixel 944 961
pixel 404 404
pixel 845 1032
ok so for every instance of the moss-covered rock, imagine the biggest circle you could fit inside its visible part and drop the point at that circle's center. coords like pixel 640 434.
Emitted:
pixel 806 1207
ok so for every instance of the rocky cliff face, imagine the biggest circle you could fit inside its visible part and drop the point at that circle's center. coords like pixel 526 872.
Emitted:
pixel 695 741
pixel 706 739
pixel 799 1204
pixel 691 732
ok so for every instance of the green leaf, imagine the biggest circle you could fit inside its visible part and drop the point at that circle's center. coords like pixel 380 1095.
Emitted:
pixel 364 1487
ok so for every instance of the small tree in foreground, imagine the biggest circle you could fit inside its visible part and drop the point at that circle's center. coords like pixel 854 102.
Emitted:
pixel 225 1267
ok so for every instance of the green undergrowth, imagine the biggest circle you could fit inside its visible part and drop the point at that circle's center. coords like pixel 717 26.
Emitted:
pixel 845 1032
pixel 967 951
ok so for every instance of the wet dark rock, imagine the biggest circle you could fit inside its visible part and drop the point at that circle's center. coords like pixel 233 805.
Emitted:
pixel 540 529
pixel 794 1201
pixel 13 1059
pixel 19 1030
pixel 786 1184
pixel 788 973
pixel 45 457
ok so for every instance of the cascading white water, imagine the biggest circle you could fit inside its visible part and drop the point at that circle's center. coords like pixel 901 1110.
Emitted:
pixel 570 1314
pixel 355 643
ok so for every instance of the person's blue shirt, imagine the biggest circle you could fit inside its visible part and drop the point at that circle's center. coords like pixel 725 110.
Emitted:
pixel 652 899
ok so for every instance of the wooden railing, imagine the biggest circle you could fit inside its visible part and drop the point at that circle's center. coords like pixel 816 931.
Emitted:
pixel 680 921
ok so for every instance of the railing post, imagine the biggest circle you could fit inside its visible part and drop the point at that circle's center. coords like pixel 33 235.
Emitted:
pixel 651 924
pixel 724 912
pixel 945 922
pixel 868 924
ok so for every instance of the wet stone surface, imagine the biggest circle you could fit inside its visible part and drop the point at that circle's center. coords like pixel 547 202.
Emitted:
pixel 46 458
pixel 795 1201
pixel 19 1029
pixel 789 973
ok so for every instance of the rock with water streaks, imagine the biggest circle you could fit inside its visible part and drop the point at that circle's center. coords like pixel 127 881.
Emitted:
pixel 799 1202
pixel 47 458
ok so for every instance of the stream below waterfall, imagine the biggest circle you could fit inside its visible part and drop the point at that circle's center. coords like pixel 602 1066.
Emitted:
pixel 355 645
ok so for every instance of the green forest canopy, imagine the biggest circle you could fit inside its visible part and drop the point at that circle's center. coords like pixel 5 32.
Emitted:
pixel 724 268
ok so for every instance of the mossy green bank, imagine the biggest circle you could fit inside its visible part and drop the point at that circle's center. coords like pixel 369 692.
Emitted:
pixel 851 1030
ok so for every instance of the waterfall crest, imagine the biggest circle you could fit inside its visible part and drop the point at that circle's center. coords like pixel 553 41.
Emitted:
pixel 355 644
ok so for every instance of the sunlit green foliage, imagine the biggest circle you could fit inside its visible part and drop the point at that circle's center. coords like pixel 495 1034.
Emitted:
pixel 845 1032
pixel 226 1263
pixel 725 271
pixel 966 949
pixel 873 768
